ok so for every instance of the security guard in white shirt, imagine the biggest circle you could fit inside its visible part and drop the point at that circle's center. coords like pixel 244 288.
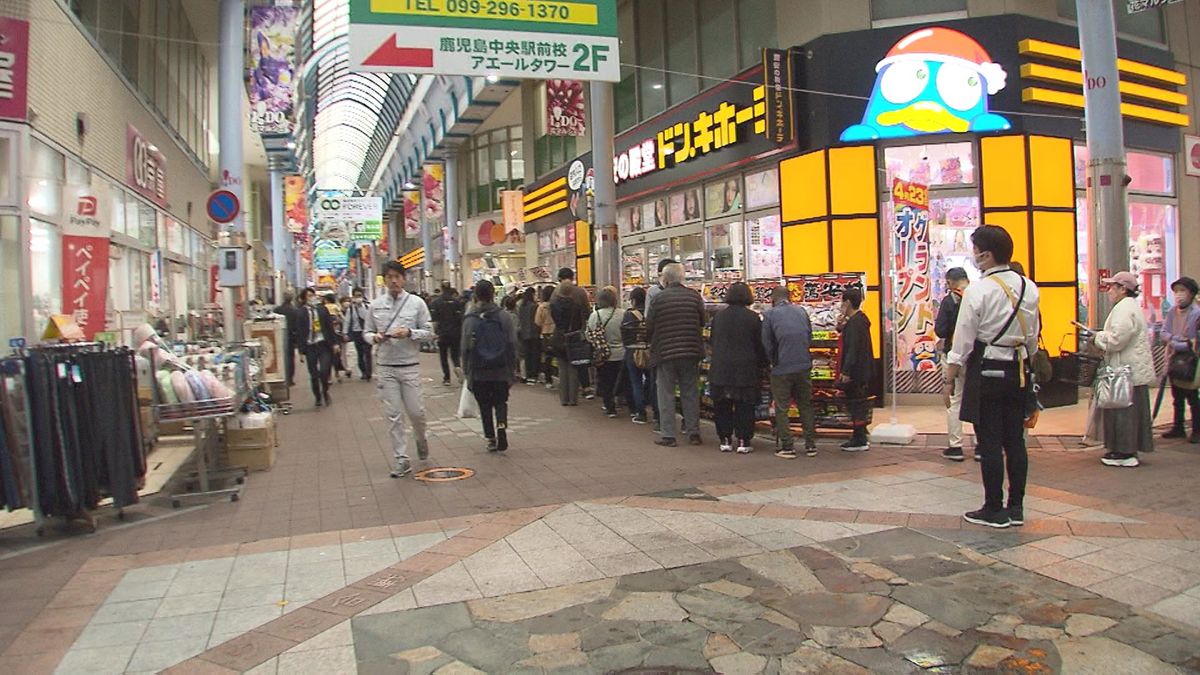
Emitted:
pixel 994 337
pixel 397 323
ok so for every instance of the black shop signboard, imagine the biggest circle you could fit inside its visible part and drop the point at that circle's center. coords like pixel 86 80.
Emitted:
pixel 730 125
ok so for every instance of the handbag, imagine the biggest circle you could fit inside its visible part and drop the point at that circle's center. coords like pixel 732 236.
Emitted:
pixel 1043 370
pixel 1182 366
pixel 578 350
pixel 1114 387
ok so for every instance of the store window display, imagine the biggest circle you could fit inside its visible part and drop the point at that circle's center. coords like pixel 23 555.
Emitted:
pixel 762 189
pixel 725 242
pixel 689 250
pixel 723 197
pixel 764 251
pixel 45 252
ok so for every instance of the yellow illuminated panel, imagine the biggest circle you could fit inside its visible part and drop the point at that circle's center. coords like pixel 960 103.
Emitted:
pixel 806 249
pixel 1059 307
pixel 544 11
pixel 802 186
pixel 583 271
pixel 1069 100
pixel 1003 171
pixel 540 202
pixel 852 181
pixel 870 307
pixel 854 247
pixel 1052 165
pixel 1017 225
pixel 1037 71
pixel 534 195
pixel 583 238
pixel 1073 55
pixel 1054 244
pixel 542 213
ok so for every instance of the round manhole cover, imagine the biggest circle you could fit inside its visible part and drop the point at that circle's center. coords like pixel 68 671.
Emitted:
pixel 444 474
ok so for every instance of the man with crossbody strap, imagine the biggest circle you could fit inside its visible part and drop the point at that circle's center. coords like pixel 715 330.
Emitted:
pixel 996 331
pixel 397 323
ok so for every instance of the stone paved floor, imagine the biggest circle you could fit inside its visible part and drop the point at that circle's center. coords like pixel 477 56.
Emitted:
pixel 548 561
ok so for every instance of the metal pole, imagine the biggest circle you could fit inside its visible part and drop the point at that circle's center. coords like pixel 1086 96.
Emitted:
pixel 230 91
pixel 451 243
pixel 279 232
pixel 1108 228
pixel 606 251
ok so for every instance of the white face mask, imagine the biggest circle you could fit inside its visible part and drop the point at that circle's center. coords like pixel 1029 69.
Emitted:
pixel 979 260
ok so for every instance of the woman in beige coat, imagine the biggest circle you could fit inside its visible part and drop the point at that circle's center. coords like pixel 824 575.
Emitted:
pixel 1126 342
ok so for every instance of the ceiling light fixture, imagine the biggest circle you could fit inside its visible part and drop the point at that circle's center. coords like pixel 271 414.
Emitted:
pixel 493 78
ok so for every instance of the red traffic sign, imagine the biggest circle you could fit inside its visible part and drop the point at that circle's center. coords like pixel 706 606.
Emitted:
pixel 223 207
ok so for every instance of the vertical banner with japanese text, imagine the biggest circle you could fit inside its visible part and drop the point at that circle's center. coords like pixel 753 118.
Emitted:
pixel 272 68
pixel 916 345
pixel 565 111
pixel 85 281
pixel 777 76
pixel 295 204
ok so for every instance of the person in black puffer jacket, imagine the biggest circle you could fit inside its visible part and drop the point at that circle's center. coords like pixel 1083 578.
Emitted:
pixel 674 328
pixel 735 375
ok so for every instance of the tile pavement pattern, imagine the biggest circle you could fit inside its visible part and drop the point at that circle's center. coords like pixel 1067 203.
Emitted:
pixel 777 576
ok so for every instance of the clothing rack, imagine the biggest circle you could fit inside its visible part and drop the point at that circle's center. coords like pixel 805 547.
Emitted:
pixel 69 432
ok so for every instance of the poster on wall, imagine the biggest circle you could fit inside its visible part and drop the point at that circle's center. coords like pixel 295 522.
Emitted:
pixel 85 281
pixel 913 300
pixel 295 204
pixel 14 69
pixel 685 206
pixel 764 247
pixel 723 198
pixel 412 214
pixel 272 68
pixel 565 111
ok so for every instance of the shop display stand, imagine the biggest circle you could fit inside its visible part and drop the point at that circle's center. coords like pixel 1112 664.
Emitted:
pixel 205 417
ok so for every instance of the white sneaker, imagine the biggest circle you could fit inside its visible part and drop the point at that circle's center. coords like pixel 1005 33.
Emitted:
pixel 726 448
pixel 1121 460
pixel 744 450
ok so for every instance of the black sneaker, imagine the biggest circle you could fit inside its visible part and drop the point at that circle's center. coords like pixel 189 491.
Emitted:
pixel 666 442
pixel 319 403
pixel 1175 432
pixel 639 418
pixel 609 413
pixel 1194 439
pixel 810 451
pixel 1016 515
pixel 978 457
pixel 403 468
pixel 855 446
pixel 445 383
pixel 786 453
pixel 501 439
pixel 953 454
pixel 1128 461
pixel 695 439
pixel 491 445
pixel 998 518
pixel 328 399
pixel 422 449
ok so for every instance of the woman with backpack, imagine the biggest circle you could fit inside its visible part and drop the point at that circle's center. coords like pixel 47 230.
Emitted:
pixel 489 342
pixel 637 354
pixel 527 333
pixel 604 332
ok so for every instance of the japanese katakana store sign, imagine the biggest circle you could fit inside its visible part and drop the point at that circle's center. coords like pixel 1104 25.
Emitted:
pixel 539 39
pixel 714 131
pixel 85 281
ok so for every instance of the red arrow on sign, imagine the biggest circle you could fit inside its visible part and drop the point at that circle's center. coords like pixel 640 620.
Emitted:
pixel 391 54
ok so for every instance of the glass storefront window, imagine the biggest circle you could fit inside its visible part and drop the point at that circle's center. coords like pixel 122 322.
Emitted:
pixel 1149 173
pixel 764 248
pixel 689 250
pixel 8 170
pixel 934 164
pixel 147 224
pixel 45 271
pixel 633 264
pixel 176 232
pixel 685 206
pixel 46 174
pixel 723 197
pixel 725 242
pixel 655 252
pixel 116 209
pixel 118 279
pixel 1153 253
pixel 10 269
pixel 762 189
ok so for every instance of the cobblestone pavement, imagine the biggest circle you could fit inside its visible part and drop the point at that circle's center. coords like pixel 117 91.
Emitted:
pixel 548 560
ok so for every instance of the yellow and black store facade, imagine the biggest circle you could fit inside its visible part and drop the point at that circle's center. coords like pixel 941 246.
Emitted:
pixel 558 220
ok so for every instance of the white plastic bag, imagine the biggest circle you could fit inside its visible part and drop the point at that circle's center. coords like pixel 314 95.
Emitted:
pixel 466 403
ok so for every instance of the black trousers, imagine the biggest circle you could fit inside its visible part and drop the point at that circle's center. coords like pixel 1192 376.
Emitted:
pixel 1189 398
pixel 735 419
pixel 533 357
pixel 1000 443
pixel 492 398
pixel 448 347
pixel 607 374
pixel 289 363
pixel 364 354
pixel 319 358
pixel 858 406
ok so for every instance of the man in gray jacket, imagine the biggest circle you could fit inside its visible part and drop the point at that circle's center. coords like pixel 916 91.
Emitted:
pixel 786 334
pixel 398 322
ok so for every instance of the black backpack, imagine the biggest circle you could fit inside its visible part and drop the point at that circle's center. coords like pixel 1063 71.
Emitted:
pixel 489 343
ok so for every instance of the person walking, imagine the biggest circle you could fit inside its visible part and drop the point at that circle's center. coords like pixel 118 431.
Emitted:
pixel 489 347
pixel 676 348
pixel 320 343
pixel 786 336
pixel 397 323
pixel 570 308
pixel 858 364
pixel 335 313
pixel 637 356
pixel 943 326
pixel 356 321
pixel 544 320
pixel 994 336
pixel 529 335
pixel 607 373
pixel 1179 332
pixel 1125 341
pixel 735 373
pixel 447 312
pixel 292 316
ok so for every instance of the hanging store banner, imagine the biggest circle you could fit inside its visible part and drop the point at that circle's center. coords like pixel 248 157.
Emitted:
pixel 1135 6
pixel 566 114
pixel 330 255
pixel 542 39
pixel 85 281
pixel 777 71
pixel 512 203
pixel 433 184
pixel 337 209
pixel 145 167
pixel 295 204
pixel 14 69
pixel 272 68
pixel 412 214
pixel 916 343
pixel 156 288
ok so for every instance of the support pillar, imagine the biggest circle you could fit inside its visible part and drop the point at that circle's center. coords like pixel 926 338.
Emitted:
pixel 230 90
pixel 1108 227
pixel 606 250
pixel 279 233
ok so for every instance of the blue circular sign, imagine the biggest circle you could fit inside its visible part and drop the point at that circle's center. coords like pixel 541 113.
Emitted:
pixel 223 207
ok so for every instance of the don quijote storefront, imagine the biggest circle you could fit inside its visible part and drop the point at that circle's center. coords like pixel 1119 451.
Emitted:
pixel 923 133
